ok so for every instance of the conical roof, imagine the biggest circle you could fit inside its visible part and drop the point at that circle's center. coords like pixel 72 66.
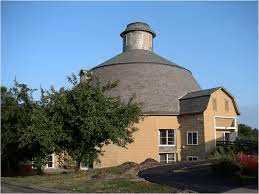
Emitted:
pixel 137 56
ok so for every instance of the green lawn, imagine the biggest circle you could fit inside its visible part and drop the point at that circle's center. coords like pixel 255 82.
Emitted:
pixel 81 182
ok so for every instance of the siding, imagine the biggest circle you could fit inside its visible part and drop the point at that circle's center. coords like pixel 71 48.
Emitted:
pixel 193 122
pixel 210 132
pixel 145 143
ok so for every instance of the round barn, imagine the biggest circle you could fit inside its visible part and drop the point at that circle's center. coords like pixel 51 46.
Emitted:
pixel 182 121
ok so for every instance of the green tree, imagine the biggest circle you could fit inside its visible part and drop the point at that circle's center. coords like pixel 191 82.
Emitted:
pixel 247 132
pixel 89 119
pixel 42 135
pixel 16 110
pixel 247 140
pixel 23 136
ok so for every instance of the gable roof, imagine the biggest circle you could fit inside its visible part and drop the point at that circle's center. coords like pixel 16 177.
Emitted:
pixel 197 101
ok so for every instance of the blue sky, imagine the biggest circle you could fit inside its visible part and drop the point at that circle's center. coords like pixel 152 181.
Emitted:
pixel 43 42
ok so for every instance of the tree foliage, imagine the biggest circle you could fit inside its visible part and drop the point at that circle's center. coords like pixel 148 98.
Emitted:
pixel 16 111
pixel 247 140
pixel 79 119
pixel 247 132
pixel 89 119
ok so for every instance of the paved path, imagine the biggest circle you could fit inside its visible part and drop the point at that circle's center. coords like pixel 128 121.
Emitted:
pixel 10 188
pixel 197 177
pixel 6 188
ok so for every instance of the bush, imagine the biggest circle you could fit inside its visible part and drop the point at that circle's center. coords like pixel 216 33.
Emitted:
pixel 39 162
pixel 246 145
pixel 226 167
pixel 226 162
pixel 249 164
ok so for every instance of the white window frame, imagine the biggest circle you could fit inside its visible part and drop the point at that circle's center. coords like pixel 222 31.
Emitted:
pixel 192 158
pixel 187 143
pixel 166 145
pixel 53 160
pixel 224 135
pixel 167 162
pixel 32 165
pixel 226 128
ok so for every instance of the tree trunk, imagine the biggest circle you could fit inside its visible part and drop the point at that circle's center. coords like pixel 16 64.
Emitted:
pixel 77 168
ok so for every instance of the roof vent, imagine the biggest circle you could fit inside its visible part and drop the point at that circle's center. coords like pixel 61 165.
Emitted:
pixel 138 35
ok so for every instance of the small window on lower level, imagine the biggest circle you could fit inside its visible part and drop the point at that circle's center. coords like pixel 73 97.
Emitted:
pixel 163 158
pixel 50 161
pixel 192 158
pixel 167 157
pixel 170 158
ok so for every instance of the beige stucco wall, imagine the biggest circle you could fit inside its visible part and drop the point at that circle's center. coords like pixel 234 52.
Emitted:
pixel 145 145
pixel 146 139
pixel 209 114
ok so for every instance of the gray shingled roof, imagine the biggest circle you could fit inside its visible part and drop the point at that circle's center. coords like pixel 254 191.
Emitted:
pixel 194 105
pixel 138 56
pixel 156 82
pixel 197 101
pixel 138 26
pixel 200 93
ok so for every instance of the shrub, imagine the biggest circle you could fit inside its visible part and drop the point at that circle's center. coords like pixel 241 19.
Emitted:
pixel 226 163
pixel 249 164
pixel 226 167
pixel 246 145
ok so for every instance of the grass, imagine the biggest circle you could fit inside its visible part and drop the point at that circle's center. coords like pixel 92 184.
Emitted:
pixel 82 182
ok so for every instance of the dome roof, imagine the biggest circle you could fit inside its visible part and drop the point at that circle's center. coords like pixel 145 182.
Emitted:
pixel 138 26
pixel 156 82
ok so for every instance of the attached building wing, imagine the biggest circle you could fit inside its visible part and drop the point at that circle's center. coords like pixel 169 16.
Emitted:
pixel 197 101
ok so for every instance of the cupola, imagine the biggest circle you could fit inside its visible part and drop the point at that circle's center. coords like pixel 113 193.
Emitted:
pixel 138 35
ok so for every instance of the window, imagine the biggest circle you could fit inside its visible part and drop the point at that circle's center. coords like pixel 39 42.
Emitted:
pixel 192 138
pixel 50 163
pixel 226 106
pixel 192 158
pixel 163 158
pixel 226 136
pixel 83 166
pixel 170 158
pixel 214 104
pixel 167 137
pixel 33 165
pixel 167 158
